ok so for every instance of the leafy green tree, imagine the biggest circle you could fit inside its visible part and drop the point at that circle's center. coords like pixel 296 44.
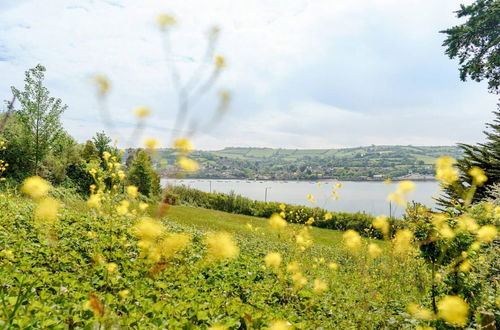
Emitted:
pixel 89 151
pixel 142 175
pixel 102 143
pixel 483 155
pixel 476 43
pixel 38 118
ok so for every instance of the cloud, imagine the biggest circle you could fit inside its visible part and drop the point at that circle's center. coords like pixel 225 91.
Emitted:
pixel 296 68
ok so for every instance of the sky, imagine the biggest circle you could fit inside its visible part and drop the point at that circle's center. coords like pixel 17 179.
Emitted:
pixel 302 74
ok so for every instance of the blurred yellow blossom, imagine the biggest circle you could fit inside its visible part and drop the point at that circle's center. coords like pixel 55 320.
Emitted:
pixel 381 224
pixel 187 164
pixel 328 216
pixel 132 191
pixel 276 222
pixel 445 172
pixel 279 325
pixel 420 312
pixel 94 201
pixel 311 199
pixel 465 266
pixel 151 143
pixel 374 250
pixel 487 233
pixel 221 245
pixel 273 259
pixel 165 21
pixel 46 210
pixel 102 84
pixel 352 240
pixel 333 265
pixel 453 310
pixel 478 176
pixel 35 187
pixel 183 145
pixel 142 112
pixel 148 229
pixel 320 286
pixel 402 241
pixel 122 209
pixel 220 62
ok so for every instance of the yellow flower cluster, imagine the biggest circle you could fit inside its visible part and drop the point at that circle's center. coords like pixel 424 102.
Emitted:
pixel 277 222
pixel 352 240
pixel 402 241
pixel 320 286
pixel 46 210
pixel 188 164
pixel 400 195
pixel 453 310
pixel 142 112
pixel 221 245
pixel 35 187
pixel 478 176
pixel 381 224
pixel 102 84
pixel 304 239
pixel 183 145
pixel 273 259
pixel 445 172
pixel 165 21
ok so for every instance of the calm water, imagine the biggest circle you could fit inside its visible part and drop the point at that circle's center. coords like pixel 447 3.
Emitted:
pixel 368 197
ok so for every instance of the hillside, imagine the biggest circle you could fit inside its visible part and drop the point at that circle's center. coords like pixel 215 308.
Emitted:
pixel 361 163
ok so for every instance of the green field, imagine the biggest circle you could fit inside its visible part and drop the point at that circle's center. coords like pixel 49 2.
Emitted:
pixel 58 271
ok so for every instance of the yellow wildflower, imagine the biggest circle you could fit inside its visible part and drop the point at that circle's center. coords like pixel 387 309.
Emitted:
pixel 352 240
pixel 148 229
pixel 303 239
pixel 328 216
pixel 339 185
pixel 279 325
pixel 381 224
pixel 220 62
pixel 183 145
pixel 273 259
pixel 293 267
pixel 445 172
pixel 151 143
pixel 310 221
pixel 311 199
pixel 282 207
pixel 132 191
pixel 465 266
pixel 143 206
pixel 102 84
pixel 420 312
pixel 187 164
pixel 35 187
pixel 121 175
pixel 122 209
pixel 94 201
pixel 487 233
pixel 174 243
pixel 46 210
pixel 320 286
pixel 165 21
pixel 466 223
pixel 217 327
pixel 333 265
pixel 478 176
pixel 276 222
pixel 299 280
pixel 374 250
pixel 402 241
pixel 106 155
pixel 453 310
pixel 142 112
pixel 111 267
pixel 221 246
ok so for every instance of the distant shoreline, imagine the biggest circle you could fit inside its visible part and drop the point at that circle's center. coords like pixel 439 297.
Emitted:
pixel 301 180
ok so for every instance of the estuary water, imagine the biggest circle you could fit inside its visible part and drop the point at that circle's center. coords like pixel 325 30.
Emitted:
pixel 354 196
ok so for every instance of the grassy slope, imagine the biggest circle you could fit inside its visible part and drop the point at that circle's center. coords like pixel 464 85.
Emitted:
pixel 191 292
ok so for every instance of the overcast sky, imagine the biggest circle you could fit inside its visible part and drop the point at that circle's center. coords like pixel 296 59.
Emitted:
pixel 303 74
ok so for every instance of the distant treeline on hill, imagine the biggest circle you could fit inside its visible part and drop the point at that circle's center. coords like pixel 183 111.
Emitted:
pixel 237 204
pixel 362 163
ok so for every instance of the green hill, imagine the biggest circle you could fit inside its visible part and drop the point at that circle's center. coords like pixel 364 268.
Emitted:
pixel 361 163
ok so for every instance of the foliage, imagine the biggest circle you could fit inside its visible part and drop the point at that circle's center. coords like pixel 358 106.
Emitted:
pixel 476 43
pixel 292 213
pixel 142 175
pixel 38 118
pixel 363 163
pixel 485 156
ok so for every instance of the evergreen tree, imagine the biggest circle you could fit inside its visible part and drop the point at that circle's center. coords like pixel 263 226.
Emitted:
pixel 142 175
pixel 483 155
